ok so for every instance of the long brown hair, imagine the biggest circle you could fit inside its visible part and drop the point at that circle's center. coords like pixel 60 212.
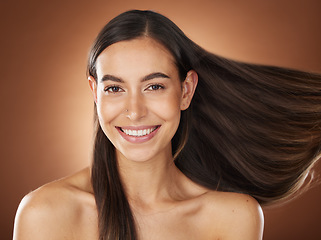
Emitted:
pixel 250 129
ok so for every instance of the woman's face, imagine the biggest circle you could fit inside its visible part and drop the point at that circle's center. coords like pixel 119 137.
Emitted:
pixel 139 97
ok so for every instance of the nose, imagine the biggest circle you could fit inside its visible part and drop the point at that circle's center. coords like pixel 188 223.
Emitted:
pixel 135 108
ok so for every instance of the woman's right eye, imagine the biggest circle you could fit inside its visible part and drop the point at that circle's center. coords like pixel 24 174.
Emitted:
pixel 113 89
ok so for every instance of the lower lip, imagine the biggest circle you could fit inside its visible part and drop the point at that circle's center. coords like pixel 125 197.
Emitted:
pixel 141 139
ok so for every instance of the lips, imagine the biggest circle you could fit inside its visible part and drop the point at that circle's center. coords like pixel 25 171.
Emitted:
pixel 138 134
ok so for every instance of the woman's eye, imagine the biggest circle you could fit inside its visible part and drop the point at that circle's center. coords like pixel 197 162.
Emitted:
pixel 155 87
pixel 112 89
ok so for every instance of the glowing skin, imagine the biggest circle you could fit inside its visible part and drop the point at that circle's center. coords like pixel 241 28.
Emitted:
pixel 139 98
pixel 140 114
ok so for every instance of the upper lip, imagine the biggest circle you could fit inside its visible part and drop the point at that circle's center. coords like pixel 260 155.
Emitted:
pixel 138 127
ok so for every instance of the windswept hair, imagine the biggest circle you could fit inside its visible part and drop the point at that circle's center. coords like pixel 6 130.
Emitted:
pixel 250 129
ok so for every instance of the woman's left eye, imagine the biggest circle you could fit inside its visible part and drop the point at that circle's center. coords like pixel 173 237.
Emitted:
pixel 155 87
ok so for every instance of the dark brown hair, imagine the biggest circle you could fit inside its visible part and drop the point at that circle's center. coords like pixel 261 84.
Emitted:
pixel 250 129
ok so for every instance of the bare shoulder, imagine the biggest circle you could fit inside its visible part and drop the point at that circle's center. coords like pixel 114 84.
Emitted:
pixel 53 210
pixel 236 216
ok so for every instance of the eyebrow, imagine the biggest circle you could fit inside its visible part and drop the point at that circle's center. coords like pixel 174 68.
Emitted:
pixel 146 78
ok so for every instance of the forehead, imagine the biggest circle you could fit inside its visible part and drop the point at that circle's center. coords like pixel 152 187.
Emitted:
pixel 140 55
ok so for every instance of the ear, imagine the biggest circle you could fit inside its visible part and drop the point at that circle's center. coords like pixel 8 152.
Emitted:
pixel 188 87
pixel 93 87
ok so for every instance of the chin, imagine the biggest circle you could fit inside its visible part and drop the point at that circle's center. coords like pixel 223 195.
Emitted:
pixel 138 156
pixel 143 154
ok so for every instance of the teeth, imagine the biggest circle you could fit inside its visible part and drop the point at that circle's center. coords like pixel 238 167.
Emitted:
pixel 138 133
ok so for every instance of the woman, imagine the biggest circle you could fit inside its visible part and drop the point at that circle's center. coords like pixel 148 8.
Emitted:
pixel 188 144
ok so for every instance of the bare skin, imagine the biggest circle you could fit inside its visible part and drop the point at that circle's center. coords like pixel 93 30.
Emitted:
pixel 65 209
pixel 138 89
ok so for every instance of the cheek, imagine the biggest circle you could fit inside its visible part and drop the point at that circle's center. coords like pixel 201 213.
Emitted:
pixel 107 110
pixel 169 108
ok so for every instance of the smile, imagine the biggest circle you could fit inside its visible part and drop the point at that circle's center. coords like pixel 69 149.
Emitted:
pixel 138 133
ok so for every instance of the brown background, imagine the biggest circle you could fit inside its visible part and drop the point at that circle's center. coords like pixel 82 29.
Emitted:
pixel 46 106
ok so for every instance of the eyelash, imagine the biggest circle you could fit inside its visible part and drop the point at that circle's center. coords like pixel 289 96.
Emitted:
pixel 110 89
pixel 159 87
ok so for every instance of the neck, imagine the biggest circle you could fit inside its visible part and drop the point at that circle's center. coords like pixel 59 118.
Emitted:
pixel 149 182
